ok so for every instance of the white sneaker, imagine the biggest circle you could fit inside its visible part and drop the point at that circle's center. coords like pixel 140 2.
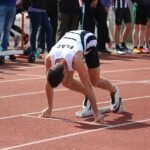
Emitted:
pixel 115 101
pixel 84 113
pixel 86 110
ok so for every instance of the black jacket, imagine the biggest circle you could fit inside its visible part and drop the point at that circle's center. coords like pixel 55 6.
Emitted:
pixel 41 4
pixel 69 6
pixel 51 6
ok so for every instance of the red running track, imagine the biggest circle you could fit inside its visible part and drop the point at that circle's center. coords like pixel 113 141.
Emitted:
pixel 22 98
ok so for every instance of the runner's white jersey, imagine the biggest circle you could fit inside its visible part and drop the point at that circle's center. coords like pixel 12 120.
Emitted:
pixel 70 44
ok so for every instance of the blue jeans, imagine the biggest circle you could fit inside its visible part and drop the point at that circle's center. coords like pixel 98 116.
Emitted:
pixel 7 14
pixel 38 19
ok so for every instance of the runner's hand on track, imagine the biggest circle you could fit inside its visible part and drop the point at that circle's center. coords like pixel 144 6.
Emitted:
pixel 46 113
pixel 99 118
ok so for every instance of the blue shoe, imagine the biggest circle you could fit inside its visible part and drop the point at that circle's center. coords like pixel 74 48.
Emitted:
pixel 1 49
pixel 120 50
pixel 125 48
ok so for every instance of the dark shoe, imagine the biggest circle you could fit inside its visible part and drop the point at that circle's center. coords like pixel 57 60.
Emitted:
pixel 120 50
pixel 27 51
pixel 41 51
pixel 125 48
pixel 105 51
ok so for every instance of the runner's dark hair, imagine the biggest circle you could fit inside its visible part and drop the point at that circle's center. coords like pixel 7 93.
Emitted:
pixel 55 75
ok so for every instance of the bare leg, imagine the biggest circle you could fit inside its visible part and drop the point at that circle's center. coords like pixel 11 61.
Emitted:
pixel 97 81
pixel 117 34
pixel 100 83
pixel 135 35
pixel 147 37
pixel 126 32
pixel 75 85
pixel 142 34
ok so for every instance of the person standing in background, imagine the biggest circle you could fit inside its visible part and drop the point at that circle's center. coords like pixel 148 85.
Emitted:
pixel 52 11
pixel 106 4
pixel 7 14
pixel 39 17
pixel 122 13
pixel 17 28
pixel 139 29
pixel 95 15
pixel 147 38
pixel 68 16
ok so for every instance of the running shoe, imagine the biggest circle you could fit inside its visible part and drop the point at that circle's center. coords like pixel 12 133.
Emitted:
pixel 40 50
pixel 1 49
pixel 37 55
pixel 27 51
pixel 86 110
pixel 115 101
pixel 144 50
pixel 120 50
pixel 148 48
pixel 136 50
pixel 125 48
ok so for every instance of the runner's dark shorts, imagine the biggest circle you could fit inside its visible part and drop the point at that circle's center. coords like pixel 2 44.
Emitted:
pixel 140 14
pixel 92 58
pixel 122 14
pixel 148 11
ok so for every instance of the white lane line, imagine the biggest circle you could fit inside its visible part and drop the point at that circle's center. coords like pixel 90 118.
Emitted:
pixel 110 71
pixel 76 106
pixel 69 120
pixel 30 75
pixel 133 82
pixel 21 68
pixel 43 77
pixel 124 70
pixel 23 94
pixel 31 93
pixel 33 67
pixel 128 81
pixel 74 134
pixel 65 89
pixel 24 79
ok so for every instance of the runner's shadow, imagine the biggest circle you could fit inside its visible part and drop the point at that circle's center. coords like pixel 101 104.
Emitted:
pixel 123 117
pixel 81 124
pixel 125 122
